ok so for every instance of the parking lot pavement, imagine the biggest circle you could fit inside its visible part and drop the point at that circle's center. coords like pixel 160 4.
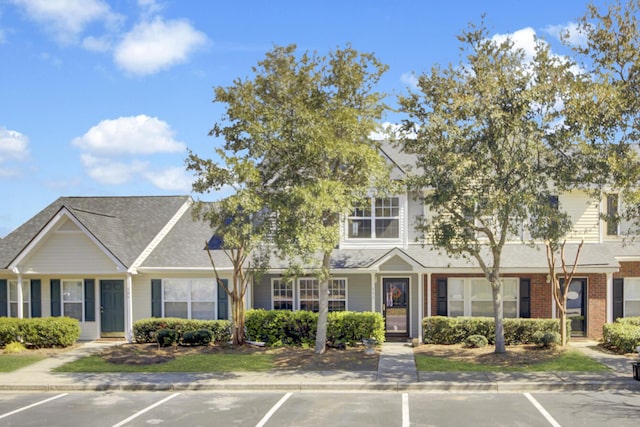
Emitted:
pixel 260 409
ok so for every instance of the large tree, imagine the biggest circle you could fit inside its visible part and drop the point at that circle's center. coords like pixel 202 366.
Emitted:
pixel 483 133
pixel 239 224
pixel 302 123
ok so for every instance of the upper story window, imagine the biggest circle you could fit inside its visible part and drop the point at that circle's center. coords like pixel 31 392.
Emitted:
pixel 377 218
pixel 612 217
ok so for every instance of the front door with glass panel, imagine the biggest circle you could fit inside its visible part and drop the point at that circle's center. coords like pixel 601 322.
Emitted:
pixel 576 307
pixel 395 294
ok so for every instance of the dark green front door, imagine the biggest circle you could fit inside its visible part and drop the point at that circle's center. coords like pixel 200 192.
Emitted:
pixel 112 308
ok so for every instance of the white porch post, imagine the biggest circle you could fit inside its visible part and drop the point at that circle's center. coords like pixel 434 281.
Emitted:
pixel 373 291
pixel 429 309
pixel 128 310
pixel 20 297
pixel 420 304
pixel 609 299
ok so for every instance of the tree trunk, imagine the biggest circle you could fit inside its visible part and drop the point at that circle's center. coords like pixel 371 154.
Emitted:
pixel 237 314
pixel 323 312
pixel 498 316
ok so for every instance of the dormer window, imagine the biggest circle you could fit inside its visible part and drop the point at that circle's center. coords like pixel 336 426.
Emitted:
pixel 377 218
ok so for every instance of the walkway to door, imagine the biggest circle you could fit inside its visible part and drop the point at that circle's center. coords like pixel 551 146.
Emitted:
pixel 397 363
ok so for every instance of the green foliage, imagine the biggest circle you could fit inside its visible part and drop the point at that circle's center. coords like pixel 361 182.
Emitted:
pixel 145 330
pixel 40 332
pixel 546 339
pixel 298 328
pixel 629 320
pixel 455 330
pixel 199 337
pixel 14 347
pixel 476 341
pixel 622 337
pixel 167 337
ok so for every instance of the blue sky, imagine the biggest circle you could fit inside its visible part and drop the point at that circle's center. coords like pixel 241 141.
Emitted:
pixel 104 97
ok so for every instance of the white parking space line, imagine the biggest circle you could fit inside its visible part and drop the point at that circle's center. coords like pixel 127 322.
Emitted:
pixel 405 410
pixel 32 405
pixel 273 410
pixel 543 411
pixel 148 408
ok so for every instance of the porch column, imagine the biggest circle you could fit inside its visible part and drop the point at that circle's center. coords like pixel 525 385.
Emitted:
pixel 373 291
pixel 20 297
pixel 429 314
pixel 609 299
pixel 128 309
pixel 421 304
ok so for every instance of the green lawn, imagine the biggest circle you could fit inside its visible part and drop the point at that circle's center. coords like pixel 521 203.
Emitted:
pixel 186 363
pixel 11 362
pixel 569 361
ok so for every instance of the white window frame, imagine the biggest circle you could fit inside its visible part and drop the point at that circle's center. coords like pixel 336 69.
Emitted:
pixel 296 288
pixel 374 218
pixel 189 299
pixel 316 284
pixel 281 285
pixel 64 301
pixel 467 299
pixel 630 281
pixel 26 298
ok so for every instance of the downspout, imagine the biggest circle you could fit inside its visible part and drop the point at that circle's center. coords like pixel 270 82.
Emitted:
pixel 420 305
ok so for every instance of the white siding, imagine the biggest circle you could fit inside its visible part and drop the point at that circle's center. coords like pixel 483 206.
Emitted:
pixel 141 297
pixel 415 210
pixel 68 253
pixel 396 264
pixel 584 214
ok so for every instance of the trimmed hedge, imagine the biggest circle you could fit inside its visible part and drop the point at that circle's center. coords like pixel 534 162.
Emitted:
pixel 455 330
pixel 146 330
pixel 298 328
pixel 622 337
pixel 41 332
pixel 629 320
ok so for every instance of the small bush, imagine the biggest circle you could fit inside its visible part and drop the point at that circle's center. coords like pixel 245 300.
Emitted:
pixel 546 339
pixel 167 337
pixel 40 332
pixel 145 330
pixel 199 337
pixel 476 341
pixel 621 337
pixel 14 348
pixel 629 320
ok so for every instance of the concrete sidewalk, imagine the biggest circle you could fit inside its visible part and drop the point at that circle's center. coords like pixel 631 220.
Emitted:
pixel 396 372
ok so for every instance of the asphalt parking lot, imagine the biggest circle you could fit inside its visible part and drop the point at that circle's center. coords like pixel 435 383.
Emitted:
pixel 318 409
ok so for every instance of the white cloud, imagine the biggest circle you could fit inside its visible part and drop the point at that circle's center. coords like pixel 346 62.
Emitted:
pixel 410 79
pixel 171 179
pixel 97 44
pixel 109 171
pixel 572 31
pixel 68 18
pixel 130 135
pixel 524 39
pixel 157 45
pixel 13 145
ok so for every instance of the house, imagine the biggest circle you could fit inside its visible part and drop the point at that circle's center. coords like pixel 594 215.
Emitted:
pixel 109 261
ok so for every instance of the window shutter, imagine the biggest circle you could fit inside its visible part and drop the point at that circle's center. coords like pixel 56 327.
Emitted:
pixel 618 298
pixel 55 297
pixel 4 298
pixel 156 298
pixel 525 298
pixel 89 300
pixel 223 300
pixel 441 309
pixel 36 298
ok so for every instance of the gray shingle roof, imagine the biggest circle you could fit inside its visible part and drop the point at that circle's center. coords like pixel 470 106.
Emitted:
pixel 124 225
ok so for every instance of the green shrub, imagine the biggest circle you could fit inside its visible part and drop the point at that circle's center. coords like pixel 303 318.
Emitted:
pixel 476 341
pixel 629 320
pixel 47 332
pixel 14 348
pixel 546 339
pixel 298 328
pixel 167 337
pixel 621 337
pixel 145 330
pixel 454 330
pixel 199 337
